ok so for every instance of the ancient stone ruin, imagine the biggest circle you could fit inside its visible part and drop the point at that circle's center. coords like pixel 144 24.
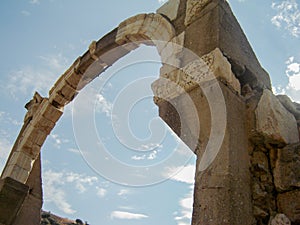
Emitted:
pixel 248 150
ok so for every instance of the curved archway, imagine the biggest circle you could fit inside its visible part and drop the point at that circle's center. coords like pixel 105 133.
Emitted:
pixel 43 113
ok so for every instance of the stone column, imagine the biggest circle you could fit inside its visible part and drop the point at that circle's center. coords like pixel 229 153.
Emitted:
pixel 201 102
pixel 222 192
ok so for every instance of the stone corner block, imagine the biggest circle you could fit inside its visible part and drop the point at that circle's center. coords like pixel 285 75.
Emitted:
pixel 169 9
pixel 274 122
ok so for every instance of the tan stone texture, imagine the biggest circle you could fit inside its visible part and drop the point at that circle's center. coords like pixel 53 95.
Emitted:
pixel 287 168
pixel 289 204
pixel 274 122
pixel 169 9
pixel 280 219
pixel 12 195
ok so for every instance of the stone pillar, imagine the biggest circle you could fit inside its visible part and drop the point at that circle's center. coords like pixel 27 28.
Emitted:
pixel 31 208
pixel 222 192
pixel 12 195
pixel 203 105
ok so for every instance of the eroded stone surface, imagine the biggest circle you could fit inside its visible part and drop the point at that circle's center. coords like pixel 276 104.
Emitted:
pixel 292 107
pixel 192 10
pixel 274 122
pixel 209 67
pixel 287 168
pixel 169 9
pixel 262 186
pixel 280 219
pixel 289 204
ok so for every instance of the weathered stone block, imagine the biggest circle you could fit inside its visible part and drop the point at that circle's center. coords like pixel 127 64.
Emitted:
pixel 169 9
pixel 22 160
pixel 34 136
pixel 12 195
pixel 49 111
pixel 289 204
pixel 210 67
pixel 31 208
pixel 289 105
pixel 274 122
pixel 193 9
pixel 287 168
pixel 280 219
pixel 29 147
pixel 17 173
pixel 216 27
pixel 43 124
pixel 64 89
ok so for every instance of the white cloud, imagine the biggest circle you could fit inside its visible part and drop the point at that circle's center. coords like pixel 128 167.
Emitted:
pixel 53 187
pixel 186 205
pixel 101 192
pixel 54 193
pixel 138 158
pixel 292 89
pixel 74 150
pixel 27 80
pixel 103 105
pixel 127 215
pixel 5 147
pixel 186 174
pixel 151 156
pixel 123 192
pixel 287 17
pixel 6 117
pixel 162 1
pixel 58 141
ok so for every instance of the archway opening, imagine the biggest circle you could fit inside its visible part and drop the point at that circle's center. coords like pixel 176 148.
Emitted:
pixel 168 197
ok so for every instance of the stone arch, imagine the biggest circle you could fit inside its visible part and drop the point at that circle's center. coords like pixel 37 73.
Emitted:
pixel 43 113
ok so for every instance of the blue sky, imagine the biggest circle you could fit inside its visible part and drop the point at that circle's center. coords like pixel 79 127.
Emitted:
pixel 39 41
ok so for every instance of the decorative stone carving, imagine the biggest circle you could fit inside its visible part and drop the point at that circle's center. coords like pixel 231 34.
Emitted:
pixel 209 67
pixel 32 106
pixel 280 219
pixel 169 9
pixel 193 7
pixel 287 168
pixel 273 122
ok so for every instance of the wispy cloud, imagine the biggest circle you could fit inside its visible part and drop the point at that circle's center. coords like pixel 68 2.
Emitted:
pixel 58 141
pixel 186 205
pixel 103 105
pixel 292 72
pixel 5 147
pixel 6 117
pixel 101 192
pixel 287 16
pixel 162 1
pixel 127 215
pixel 34 2
pixel 185 174
pixel 151 156
pixel 123 192
pixel 25 13
pixel 54 191
pixel 28 79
